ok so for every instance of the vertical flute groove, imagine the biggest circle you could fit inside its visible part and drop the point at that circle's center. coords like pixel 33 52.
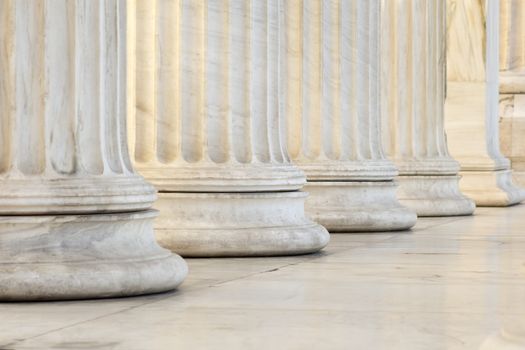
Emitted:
pixel 413 90
pixel 374 114
pixel 59 109
pixel 273 113
pixel 63 106
pixel 110 87
pixel 239 76
pixel 363 77
pixel 145 82
pixel 293 71
pixel 192 85
pixel 313 127
pixel 259 79
pixel 87 84
pixel 218 81
pixel 167 84
pixel 30 91
pixel 332 82
pixel 331 86
pixel 348 35
pixel 7 82
pixel 218 96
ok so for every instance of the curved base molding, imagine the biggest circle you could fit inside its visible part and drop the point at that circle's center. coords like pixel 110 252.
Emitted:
pixel 357 206
pixel 75 196
pixel 213 177
pixel 491 188
pixel 84 256
pixel 437 195
pixel 237 224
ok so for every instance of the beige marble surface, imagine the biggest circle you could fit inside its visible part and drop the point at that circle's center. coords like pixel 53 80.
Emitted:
pixel 451 283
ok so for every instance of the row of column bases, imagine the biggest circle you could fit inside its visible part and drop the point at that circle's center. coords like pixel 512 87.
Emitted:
pixel 228 109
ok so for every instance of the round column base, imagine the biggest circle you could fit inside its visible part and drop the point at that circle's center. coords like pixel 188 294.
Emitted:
pixel 357 206
pixel 237 224
pixel 83 257
pixel 491 188
pixel 518 177
pixel 504 341
pixel 434 195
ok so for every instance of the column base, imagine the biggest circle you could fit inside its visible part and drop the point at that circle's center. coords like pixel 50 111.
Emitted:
pixel 434 195
pixel 84 256
pixel 491 188
pixel 519 178
pixel 504 341
pixel 357 206
pixel 237 224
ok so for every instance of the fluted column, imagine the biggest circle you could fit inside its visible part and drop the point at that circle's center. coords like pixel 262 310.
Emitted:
pixel 74 218
pixel 413 98
pixel 512 85
pixel 471 113
pixel 208 132
pixel 331 80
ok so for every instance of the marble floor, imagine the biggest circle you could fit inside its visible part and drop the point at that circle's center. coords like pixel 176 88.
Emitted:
pixel 450 283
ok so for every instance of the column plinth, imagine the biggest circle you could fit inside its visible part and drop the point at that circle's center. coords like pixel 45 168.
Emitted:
pixel 413 97
pixel 471 107
pixel 331 81
pixel 74 216
pixel 208 132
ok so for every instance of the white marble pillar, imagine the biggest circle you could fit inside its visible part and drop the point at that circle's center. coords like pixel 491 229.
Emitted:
pixel 471 108
pixel 512 85
pixel 413 98
pixel 209 133
pixel 74 217
pixel 331 80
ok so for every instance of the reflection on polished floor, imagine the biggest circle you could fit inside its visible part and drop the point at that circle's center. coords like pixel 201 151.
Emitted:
pixel 450 283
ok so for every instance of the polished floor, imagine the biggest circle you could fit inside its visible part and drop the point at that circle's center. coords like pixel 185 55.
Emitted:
pixel 451 283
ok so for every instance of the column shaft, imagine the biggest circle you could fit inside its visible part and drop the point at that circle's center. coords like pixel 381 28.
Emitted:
pixel 472 102
pixel 209 132
pixel 413 97
pixel 62 101
pixel 331 79
pixel 512 85
pixel 64 157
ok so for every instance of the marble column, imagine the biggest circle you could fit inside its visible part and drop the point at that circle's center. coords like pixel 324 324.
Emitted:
pixel 331 81
pixel 512 85
pixel 208 132
pixel 471 108
pixel 413 98
pixel 74 216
